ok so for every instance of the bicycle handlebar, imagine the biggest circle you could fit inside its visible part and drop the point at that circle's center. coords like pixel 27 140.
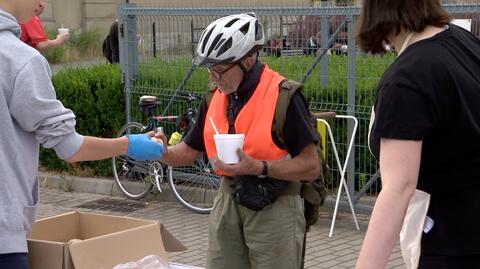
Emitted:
pixel 190 96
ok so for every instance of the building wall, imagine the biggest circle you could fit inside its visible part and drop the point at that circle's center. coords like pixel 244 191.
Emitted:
pixel 87 14
pixel 220 3
pixel 80 14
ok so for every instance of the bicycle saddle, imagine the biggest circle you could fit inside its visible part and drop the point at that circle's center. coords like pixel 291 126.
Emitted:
pixel 147 104
pixel 147 100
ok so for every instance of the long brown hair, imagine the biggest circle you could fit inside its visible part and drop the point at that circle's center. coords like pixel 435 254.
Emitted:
pixel 381 18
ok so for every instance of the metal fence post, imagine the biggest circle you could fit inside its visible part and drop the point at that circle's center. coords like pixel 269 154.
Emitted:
pixel 192 37
pixel 324 37
pixel 154 40
pixel 351 48
pixel 128 53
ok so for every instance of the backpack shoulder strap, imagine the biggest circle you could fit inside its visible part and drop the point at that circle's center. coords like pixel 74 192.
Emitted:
pixel 287 90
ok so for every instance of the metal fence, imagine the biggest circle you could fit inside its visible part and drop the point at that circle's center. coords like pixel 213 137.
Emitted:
pixel 313 44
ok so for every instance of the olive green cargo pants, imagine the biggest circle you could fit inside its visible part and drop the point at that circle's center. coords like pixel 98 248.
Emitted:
pixel 271 238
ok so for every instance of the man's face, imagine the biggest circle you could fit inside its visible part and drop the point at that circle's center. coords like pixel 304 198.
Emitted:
pixel 24 10
pixel 226 76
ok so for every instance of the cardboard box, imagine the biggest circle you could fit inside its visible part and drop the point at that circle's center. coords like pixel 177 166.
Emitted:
pixel 87 241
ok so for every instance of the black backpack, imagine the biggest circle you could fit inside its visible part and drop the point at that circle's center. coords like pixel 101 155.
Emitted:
pixel 107 50
pixel 313 193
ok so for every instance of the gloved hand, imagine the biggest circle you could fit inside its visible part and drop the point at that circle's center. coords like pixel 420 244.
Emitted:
pixel 142 148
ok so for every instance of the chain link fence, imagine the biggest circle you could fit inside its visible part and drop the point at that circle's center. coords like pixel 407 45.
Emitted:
pixel 311 42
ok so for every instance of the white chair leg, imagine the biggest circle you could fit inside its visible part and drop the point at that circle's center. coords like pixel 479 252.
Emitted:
pixel 342 170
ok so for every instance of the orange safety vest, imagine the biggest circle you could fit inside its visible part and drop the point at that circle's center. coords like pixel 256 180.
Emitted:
pixel 254 120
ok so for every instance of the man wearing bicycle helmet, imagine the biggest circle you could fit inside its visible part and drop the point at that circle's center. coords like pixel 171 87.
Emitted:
pixel 257 219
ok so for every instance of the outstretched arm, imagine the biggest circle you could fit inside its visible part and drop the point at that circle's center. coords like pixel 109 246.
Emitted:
pixel 138 146
pixel 399 167
pixel 60 40
pixel 94 148
pixel 180 154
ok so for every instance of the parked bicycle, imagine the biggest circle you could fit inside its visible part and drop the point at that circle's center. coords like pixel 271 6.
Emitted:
pixel 193 186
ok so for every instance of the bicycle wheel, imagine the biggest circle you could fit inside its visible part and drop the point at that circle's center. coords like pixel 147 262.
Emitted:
pixel 133 177
pixel 194 186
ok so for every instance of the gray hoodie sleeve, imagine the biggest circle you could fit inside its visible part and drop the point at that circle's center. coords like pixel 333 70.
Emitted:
pixel 35 108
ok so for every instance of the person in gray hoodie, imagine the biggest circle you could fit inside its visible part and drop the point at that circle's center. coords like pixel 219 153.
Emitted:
pixel 30 116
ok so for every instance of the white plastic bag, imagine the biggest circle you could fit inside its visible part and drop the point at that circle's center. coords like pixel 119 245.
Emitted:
pixel 148 262
pixel 174 265
pixel 413 226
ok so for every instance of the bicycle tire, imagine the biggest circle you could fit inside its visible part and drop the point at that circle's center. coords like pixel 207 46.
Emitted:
pixel 194 186
pixel 132 176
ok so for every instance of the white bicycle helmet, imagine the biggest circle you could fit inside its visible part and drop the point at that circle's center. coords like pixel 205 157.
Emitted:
pixel 229 39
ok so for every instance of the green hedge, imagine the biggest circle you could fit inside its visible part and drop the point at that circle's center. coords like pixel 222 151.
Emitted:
pixel 162 76
pixel 167 74
pixel 96 97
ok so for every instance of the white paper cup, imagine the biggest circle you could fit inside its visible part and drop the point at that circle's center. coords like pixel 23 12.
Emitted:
pixel 63 30
pixel 227 145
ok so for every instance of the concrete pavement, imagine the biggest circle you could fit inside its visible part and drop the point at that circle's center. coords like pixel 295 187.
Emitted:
pixel 340 251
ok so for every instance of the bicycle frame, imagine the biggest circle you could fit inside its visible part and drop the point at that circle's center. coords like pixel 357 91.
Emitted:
pixel 189 116
pixel 153 124
pixel 194 186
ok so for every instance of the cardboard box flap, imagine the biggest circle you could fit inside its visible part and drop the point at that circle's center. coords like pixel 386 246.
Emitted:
pixel 170 242
pixel 92 225
pixel 110 250
pixel 67 258
pixel 60 228
pixel 43 255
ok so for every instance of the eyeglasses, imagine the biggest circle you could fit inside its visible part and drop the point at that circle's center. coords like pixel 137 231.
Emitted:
pixel 218 74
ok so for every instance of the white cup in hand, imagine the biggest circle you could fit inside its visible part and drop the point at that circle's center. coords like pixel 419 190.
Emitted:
pixel 63 31
pixel 227 146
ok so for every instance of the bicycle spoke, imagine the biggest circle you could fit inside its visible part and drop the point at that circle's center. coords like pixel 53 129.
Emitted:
pixel 195 186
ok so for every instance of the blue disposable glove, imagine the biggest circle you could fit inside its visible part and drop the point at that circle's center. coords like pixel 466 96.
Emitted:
pixel 142 148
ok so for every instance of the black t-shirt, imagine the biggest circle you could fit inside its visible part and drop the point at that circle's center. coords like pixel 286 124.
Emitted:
pixel 297 132
pixel 431 93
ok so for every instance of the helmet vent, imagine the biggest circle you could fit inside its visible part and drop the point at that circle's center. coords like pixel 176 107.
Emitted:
pixel 230 23
pixel 205 40
pixel 245 28
pixel 214 43
pixel 219 43
pixel 225 47
pixel 258 31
